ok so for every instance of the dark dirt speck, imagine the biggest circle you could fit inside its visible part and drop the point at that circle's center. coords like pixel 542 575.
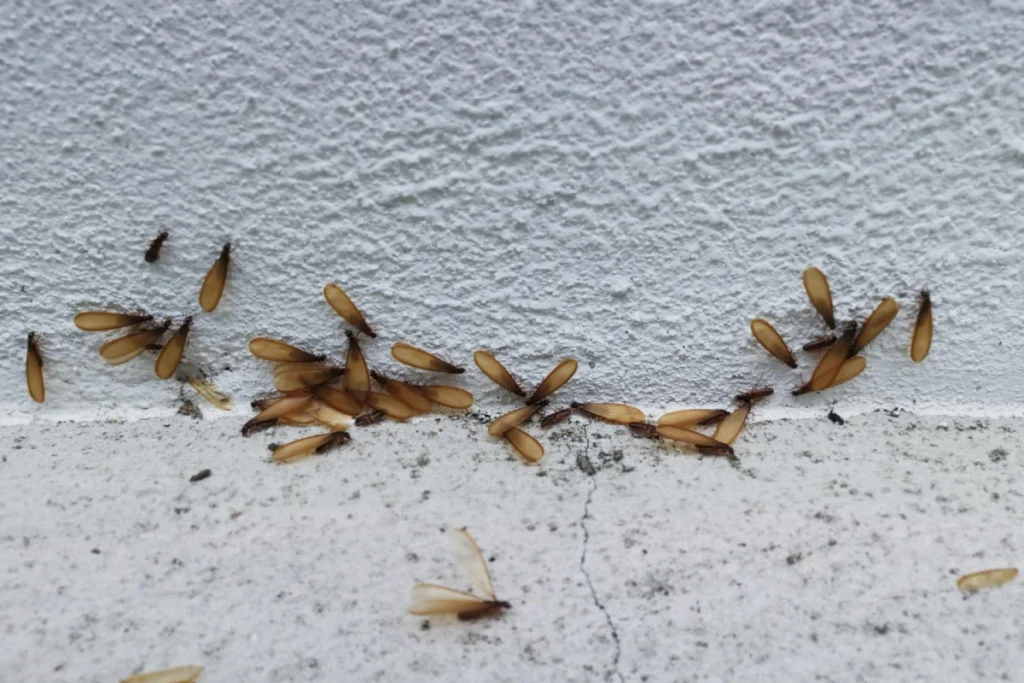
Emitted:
pixel 836 418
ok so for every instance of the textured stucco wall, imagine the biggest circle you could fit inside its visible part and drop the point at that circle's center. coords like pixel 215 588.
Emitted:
pixel 628 183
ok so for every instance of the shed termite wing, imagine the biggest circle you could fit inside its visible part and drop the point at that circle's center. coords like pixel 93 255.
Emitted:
pixel 498 373
pixel 820 295
pixel 407 354
pixel 555 380
pixel 346 308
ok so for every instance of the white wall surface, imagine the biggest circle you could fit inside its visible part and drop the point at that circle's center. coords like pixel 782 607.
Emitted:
pixel 627 183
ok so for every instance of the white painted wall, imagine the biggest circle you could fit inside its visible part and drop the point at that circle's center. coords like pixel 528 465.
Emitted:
pixel 628 183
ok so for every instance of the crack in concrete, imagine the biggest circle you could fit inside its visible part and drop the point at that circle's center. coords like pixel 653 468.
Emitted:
pixel 583 561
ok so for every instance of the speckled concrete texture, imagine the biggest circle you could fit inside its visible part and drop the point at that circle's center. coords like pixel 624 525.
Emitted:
pixel 829 552
pixel 627 183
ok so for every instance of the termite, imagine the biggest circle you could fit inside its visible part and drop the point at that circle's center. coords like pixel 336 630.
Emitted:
pixel 430 599
pixel 153 252
pixel 34 370
pixel 213 283
pixel 922 341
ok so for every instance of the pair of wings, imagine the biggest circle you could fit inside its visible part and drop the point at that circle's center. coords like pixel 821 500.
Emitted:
pixel 429 598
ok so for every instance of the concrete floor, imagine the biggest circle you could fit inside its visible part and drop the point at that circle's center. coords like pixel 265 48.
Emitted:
pixel 830 552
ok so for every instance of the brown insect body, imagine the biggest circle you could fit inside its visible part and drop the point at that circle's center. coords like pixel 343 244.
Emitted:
pixel 755 394
pixel 34 370
pixel 820 343
pixel 153 252
pixel 487 609
pixel 370 418
pixel 644 429
pixel 879 319
pixel 556 417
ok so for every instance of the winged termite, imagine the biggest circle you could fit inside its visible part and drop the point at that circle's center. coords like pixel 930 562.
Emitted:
pixel 555 380
pixel 370 418
pixel 357 372
pixel 494 370
pixel 525 445
pixel 616 413
pixel 214 396
pixel 153 252
pixel 339 399
pixel 754 395
pixel 922 341
pixel 828 367
pixel 283 407
pixel 213 284
pixel 989 578
pixel 102 321
pixel 343 306
pixel 123 349
pixel 170 356
pixel 405 393
pixel 34 370
pixel 281 352
pixel 644 429
pixel 429 599
pixel 324 414
pixel 447 396
pixel 692 416
pixel 820 295
pixel 557 417
pixel 418 358
pixel 878 320
pixel 311 445
pixel 772 341
pixel 513 419
pixel 305 378
pixel 389 405
pixel 820 343
pixel 178 674
pixel 693 438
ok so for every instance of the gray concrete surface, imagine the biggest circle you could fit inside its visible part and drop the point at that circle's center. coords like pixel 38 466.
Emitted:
pixel 829 553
